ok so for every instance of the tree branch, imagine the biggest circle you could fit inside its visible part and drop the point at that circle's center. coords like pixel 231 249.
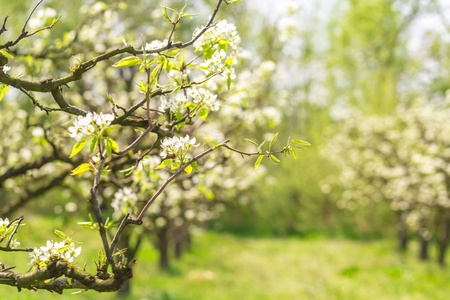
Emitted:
pixel 38 279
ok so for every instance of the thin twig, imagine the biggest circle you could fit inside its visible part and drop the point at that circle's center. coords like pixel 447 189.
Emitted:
pixel 138 220
pixel 19 220
pixel 7 249
pixel 123 224
pixel 29 16
pixel 133 144
pixel 3 29
pixel 256 153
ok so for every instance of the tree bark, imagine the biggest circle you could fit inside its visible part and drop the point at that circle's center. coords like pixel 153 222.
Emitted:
pixel 443 241
pixel 424 243
pixel 402 232
pixel 163 247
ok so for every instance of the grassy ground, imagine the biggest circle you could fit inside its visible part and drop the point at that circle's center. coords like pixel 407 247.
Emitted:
pixel 223 266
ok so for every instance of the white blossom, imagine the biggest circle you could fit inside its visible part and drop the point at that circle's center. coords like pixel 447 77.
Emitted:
pixel 60 250
pixel 175 105
pixel 124 201
pixel 177 146
pixel 205 97
pixel 222 31
pixel 156 44
pixel 86 125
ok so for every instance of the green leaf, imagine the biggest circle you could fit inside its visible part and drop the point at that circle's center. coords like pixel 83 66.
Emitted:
pixel 258 162
pixel 165 14
pixel 229 61
pixel 1 94
pixel 164 163
pixel 293 153
pixel 190 105
pixel 259 147
pixel 175 165
pixel 81 169
pixel 60 234
pixel 203 113
pixel 77 148
pixel 188 169
pixel 273 140
pixel 202 68
pixel 110 98
pixel 113 143
pixel 64 248
pixel 128 61
pixel 108 148
pixel 143 86
pixel 252 142
pixel 54 21
pixel 181 62
pixel 274 158
pixel 229 82
pixel 194 165
pixel 128 171
pixel 179 116
pixel 93 144
pixel 301 142
pixel 6 54
pixel 176 89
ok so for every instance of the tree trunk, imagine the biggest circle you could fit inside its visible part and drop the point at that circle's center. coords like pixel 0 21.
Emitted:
pixel 163 246
pixel 402 232
pixel 424 243
pixel 178 248
pixel 443 241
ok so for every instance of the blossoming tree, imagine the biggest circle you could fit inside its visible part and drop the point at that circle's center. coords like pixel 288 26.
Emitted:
pixel 401 159
pixel 178 86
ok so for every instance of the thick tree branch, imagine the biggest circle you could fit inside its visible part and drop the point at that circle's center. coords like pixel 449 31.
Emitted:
pixel 12 172
pixel 7 210
pixel 39 279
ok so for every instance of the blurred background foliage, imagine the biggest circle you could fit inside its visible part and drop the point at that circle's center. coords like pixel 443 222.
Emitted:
pixel 317 63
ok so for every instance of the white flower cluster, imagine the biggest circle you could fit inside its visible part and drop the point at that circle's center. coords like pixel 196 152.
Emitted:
pixel 6 68
pixel 156 44
pixel 177 146
pixel 216 64
pixel 206 97
pixel 222 31
pixel 85 125
pixel 61 250
pixel 124 202
pixel 175 105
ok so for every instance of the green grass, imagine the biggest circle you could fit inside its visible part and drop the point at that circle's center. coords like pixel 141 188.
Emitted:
pixel 223 266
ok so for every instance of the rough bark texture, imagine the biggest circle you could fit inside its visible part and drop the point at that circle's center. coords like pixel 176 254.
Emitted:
pixel 48 278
